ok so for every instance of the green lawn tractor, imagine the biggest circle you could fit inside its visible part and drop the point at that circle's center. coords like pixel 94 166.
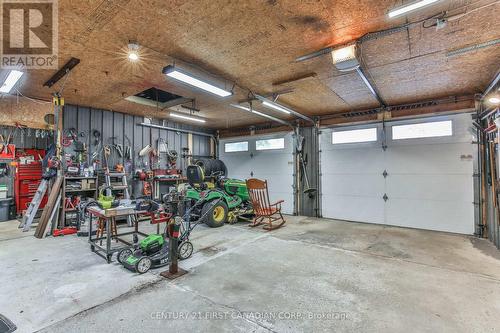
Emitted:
pixel 225 201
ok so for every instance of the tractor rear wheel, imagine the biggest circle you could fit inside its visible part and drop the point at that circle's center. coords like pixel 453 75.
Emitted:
pixel 215 213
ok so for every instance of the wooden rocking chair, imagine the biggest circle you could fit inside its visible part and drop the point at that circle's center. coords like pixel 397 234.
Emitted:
pixel 263 210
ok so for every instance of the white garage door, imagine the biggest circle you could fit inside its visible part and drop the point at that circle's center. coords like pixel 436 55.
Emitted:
pixel 272 160
pixel 428 182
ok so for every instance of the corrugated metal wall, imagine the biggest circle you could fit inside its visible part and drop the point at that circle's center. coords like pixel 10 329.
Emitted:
pixel 125 130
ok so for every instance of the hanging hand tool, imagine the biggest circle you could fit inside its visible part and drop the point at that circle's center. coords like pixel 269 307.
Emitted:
pixel 119 149
pixel 303 164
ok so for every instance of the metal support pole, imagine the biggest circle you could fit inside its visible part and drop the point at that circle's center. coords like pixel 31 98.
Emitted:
pixel 173 244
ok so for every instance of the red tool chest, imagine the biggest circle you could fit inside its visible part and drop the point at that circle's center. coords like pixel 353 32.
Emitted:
pixel 26 182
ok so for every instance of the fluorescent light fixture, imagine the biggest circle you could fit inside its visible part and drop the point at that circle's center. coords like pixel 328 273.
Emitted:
pixel 11 81
pixel 238 106
pixel 494 100
pixel 250 110
pixel 186 117
pixel 175 73
pixel 261 114
pixel 241 107
pixel 275 106
pixel 410 7
pixel 133 51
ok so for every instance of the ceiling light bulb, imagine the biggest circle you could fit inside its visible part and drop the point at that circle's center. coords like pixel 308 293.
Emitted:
pixel 494 100
pixel 10 81
pixel 133 56
pixel 133 51
pixel 410 7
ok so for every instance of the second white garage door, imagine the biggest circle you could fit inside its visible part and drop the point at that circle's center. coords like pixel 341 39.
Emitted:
pixel 424 183
pixel 273 162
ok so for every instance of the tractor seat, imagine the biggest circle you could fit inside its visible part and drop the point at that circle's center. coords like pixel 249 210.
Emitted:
pixel 196 176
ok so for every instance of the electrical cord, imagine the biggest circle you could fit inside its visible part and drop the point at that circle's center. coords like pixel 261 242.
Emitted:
pixel 32 99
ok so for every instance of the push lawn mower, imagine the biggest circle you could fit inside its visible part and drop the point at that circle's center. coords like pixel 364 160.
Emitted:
pixel 153 251
pixel 226 201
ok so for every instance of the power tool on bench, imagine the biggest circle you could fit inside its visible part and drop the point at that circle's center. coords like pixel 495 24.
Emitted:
pixel 106 201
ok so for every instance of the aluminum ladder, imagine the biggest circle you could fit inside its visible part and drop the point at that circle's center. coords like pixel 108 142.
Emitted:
pixel 123 186
pixel 30 213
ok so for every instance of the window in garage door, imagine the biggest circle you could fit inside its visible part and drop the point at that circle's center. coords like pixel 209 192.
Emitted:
pixel 268 157
pixel 428 181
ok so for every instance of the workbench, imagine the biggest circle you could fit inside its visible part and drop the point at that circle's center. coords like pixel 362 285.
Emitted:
pixel 110 215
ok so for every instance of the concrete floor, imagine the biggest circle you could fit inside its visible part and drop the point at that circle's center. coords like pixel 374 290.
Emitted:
pixel 312 275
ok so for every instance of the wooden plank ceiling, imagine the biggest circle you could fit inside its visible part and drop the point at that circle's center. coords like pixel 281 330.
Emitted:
pixel 254 43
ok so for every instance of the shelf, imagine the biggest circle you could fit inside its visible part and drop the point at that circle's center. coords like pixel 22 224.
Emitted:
pixel 80 190
pixel 79 177
pixel 70 188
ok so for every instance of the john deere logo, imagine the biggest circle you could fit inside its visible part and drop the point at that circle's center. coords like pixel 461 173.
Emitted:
pixel 29 34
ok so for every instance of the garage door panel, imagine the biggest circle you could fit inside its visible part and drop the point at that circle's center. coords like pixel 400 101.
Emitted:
pixel 354 208
pixel 237 165
pixel 277 184
pixel 356 185
pixel 245 172
pixel 275 166
pixel 279 187
pixel 429 158
pixel 431 187
pixel 287 206
pixel 354 161
pixel 432 215
pixel 429 183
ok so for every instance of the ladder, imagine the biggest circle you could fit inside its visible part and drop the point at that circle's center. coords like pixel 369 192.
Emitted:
pixel 121 186
pixel 30 213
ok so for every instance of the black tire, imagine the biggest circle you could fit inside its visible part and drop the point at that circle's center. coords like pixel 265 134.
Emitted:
pixel 123 255
pixel 211 166
pixel 143 265
pixel 210 218
pixel 185 250
pixel 221 167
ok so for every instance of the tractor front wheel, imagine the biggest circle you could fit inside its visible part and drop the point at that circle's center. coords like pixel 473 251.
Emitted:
pixel 215 214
